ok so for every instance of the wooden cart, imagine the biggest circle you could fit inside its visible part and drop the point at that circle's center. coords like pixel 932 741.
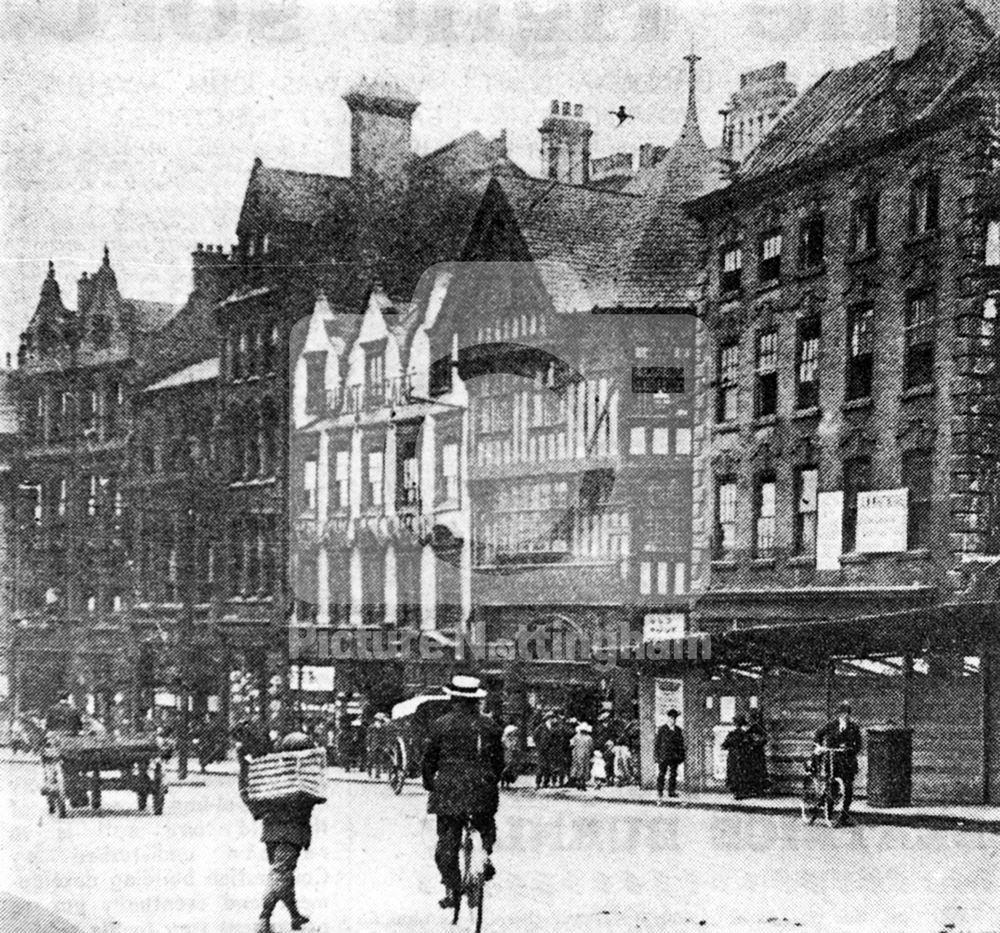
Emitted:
pixel 78 769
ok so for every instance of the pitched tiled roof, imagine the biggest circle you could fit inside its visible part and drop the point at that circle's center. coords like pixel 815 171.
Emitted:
pixel 302 197
pixel 205 371
pixel 852 107
pixel 152 315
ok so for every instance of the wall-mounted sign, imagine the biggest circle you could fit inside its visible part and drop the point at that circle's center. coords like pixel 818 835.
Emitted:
pixel 669 694
pixel 882 520
pixel 662 626
pixel 829 530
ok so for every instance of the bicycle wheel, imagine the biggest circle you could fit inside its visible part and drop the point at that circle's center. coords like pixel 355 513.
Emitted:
pixel 397 767
pixel 466 857
pixel 834 800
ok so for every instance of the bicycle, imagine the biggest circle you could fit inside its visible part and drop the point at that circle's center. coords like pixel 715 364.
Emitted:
pixel 474 878
pixel 830 797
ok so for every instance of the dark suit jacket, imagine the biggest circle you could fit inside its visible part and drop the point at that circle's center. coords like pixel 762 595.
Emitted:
pixel 849 739
pixel 669 745
pixel 463 764
pixel 288 822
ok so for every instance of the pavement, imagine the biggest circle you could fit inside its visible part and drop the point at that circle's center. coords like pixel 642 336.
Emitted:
pixel 564 865
pixel 956 817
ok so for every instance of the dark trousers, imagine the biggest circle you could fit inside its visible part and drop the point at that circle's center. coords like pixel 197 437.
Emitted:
pixel 282 857
pixel 449 841
pixel 848 778
pixel 668 774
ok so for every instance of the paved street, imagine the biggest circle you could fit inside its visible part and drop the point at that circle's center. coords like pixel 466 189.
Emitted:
pixel 563 865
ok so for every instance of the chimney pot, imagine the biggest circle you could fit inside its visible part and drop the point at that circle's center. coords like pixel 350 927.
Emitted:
pixel 555 108
pixel 565 108
pixel 200 248
pixel 9 364
pixel 578 110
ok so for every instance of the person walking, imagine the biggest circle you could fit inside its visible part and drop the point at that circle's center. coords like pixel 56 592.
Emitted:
pixel 737 748
pixel 844 737
pixel 511 754
pixel 285 831
pixel 582 756
pixel 757 780
pixel 669 751
pixel 461 771
pixel 545 750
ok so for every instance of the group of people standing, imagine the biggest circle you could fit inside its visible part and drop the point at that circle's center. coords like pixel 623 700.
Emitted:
pixel 571 753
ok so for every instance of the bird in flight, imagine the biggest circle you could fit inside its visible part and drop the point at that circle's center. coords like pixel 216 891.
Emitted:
pixel 622 114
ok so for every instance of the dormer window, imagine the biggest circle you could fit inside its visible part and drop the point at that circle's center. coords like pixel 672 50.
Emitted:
pixel 864 225
pixel 811 242
pixel 770 256
pixel 925 197
pixel 732 266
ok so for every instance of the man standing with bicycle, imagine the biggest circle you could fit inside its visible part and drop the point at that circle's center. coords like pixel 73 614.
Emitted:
pixel 462 769
pixel 842 736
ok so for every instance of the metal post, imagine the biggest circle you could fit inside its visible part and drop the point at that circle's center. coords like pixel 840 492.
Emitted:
pixel 186 631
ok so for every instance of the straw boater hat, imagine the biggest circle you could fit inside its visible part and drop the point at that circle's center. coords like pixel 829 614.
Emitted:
pixel 584 727
pixel 464 687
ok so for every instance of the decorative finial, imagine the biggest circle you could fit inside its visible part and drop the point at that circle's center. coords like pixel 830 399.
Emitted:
pixel 107 255
pixel 52 269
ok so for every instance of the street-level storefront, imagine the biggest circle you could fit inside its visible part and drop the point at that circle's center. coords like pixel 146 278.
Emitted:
pixel 898 656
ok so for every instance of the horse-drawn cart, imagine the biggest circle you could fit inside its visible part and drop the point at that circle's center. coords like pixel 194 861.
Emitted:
pixel 77 769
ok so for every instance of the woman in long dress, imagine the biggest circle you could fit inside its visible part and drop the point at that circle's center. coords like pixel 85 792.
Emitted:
pixel 582 749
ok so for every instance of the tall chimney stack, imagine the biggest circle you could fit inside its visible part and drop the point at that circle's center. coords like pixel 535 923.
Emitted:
pixel 381 118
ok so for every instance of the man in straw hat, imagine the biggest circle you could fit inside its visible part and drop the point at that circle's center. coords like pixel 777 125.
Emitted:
pixel 462 769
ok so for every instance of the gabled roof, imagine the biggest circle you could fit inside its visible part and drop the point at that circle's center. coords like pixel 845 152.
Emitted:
pixel 285 194
pixel 854 106
pixel 152 315
pixel 205 371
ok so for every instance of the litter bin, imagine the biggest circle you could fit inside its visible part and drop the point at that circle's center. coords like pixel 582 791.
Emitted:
pixel 890 766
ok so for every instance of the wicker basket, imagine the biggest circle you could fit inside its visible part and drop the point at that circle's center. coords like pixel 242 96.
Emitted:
pixel 288 775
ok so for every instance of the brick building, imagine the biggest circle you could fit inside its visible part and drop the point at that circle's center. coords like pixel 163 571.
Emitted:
pixel 846 478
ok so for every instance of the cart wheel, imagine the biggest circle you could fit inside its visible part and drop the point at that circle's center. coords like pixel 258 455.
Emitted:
pixel 397 767
pixel 95 789
pixel 159 791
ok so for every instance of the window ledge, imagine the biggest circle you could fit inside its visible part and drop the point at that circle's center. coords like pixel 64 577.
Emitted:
pixel 919 239
pixel 733 294
pixel 917 553
pixel 724 564
pixel 854 557
pixel 765 421
pixel 866 255
pixel 803 414
pixel 764 563
pixel 727 427
pixel 811 272
pixel 924 391
pixel 802 560
pixel 858 404
pixel 769 286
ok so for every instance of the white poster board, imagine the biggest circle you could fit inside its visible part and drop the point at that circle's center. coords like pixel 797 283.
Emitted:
pixel 669 694
pixel 663 626
pixel 882 520
pixel 315 679
pixel 829 530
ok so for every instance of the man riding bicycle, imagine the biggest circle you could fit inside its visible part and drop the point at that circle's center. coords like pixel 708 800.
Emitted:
pixel 462 768
pixel 843 736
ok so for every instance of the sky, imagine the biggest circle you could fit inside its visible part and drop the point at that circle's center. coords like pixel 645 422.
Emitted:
pixel 135 123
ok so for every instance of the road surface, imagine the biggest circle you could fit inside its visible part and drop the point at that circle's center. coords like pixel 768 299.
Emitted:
pixel 563 866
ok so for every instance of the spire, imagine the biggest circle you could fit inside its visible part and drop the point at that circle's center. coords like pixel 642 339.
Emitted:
pixel 107 255
pixel 691 131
